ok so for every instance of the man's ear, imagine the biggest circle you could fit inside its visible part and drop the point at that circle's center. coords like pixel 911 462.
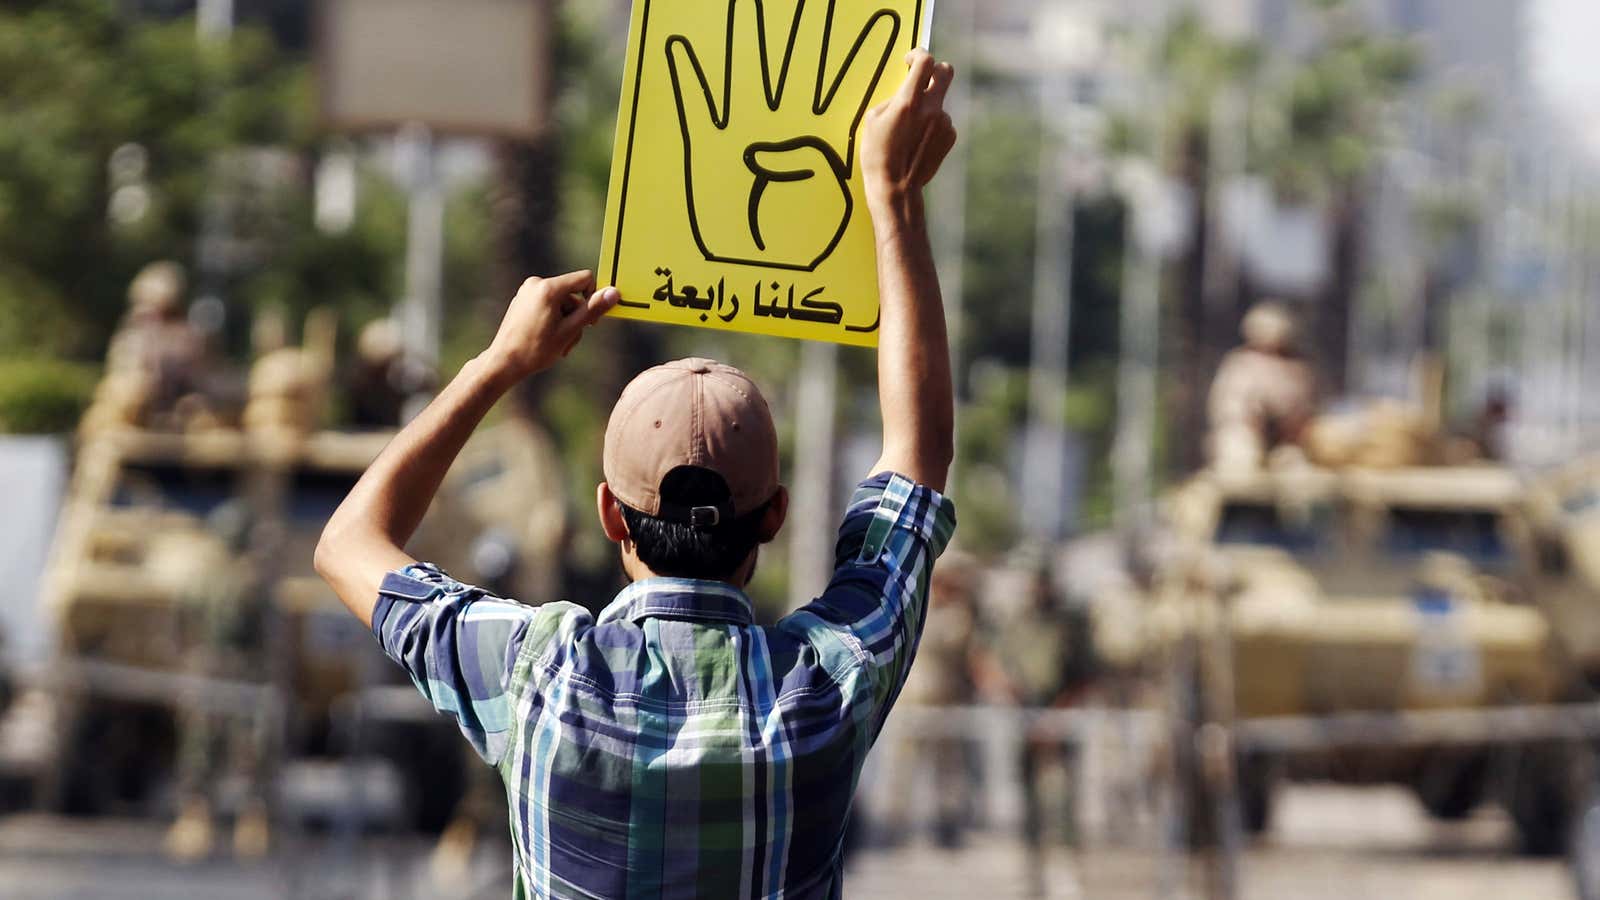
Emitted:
pixel 777 511
pixel 610 510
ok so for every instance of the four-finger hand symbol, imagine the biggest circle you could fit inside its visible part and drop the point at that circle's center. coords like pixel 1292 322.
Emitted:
pixel 746 145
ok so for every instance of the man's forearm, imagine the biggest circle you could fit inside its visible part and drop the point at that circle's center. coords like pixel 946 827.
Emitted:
pixel 365 537
pixel 914 383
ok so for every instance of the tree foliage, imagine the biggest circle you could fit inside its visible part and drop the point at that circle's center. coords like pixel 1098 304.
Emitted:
pixel 80 79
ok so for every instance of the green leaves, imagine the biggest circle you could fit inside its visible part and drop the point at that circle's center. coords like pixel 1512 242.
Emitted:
pixel 78 80
pixel 43 396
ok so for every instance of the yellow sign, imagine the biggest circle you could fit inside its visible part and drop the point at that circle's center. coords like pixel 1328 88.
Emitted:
pixel 736 200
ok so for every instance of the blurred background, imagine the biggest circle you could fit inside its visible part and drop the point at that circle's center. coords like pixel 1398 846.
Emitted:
pixel 1278 369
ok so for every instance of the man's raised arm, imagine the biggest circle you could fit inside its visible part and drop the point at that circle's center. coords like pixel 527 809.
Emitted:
pixel 903 143
pixel 365 538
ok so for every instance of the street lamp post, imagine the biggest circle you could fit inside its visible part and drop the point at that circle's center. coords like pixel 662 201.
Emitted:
pixel 1044 453
pixel 1067 41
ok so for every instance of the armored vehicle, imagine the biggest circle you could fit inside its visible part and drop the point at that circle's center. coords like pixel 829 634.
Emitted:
pixel 1564 520
pixel 137 533
pixel 1325 592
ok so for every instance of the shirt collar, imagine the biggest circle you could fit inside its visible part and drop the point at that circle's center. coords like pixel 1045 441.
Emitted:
pixel 680 598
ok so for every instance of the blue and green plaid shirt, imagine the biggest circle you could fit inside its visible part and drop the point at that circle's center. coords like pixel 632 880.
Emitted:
pixel 674 748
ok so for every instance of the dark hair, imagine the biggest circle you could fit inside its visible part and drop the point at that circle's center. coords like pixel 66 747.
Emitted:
pixel 680 550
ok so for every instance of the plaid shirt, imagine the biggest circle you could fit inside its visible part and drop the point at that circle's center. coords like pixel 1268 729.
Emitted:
pixel 674 748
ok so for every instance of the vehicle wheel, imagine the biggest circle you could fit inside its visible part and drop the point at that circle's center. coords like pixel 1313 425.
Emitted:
pixel 79 787
pixel 1258 776
pixel 1546 791
pixel 112 756
pixel 1451 787
pixel 1584 860
pixel 435 763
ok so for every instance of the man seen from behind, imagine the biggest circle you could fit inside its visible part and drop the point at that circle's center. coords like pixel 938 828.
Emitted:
pixel 670 747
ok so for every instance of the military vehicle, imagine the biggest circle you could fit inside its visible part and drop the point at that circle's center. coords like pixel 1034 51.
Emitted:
pixel 133 531
pixel 1312 592
pixel 1564 521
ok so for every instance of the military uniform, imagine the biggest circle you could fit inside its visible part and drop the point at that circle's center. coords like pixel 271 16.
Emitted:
pixel 159 354
pixel 1263 396
pixel 1043 652
pixel 227 618
pixel 941 677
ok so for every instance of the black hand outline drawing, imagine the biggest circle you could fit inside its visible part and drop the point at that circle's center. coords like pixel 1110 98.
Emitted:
pixel 824 157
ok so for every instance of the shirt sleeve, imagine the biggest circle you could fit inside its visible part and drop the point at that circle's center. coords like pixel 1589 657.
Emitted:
pixel 892 533
pixel 460 645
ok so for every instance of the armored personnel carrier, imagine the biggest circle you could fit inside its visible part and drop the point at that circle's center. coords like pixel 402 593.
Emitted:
pixel 1323 592
pixel 136 534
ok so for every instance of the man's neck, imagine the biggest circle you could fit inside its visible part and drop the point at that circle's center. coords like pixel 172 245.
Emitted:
pixel 636 570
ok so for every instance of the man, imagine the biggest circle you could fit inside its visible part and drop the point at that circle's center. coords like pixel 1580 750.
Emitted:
pixel 943 678
pixel 671 747
pixel 1040 660
pixel 156 366
pixel 1264 395
pixel 216 574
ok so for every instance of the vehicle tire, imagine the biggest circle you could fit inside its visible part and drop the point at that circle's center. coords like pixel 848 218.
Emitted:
pixel 1546 789
pixel 435 766
pixel 1450 787
pixel 1258 776
pixel 112 756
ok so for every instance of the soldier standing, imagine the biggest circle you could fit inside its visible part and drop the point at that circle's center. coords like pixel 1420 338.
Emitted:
pixel 943 677
pixel 229 616
pixel 1043 659
pixel 1264 394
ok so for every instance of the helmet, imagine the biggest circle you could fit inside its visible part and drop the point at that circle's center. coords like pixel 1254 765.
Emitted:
pixel 1268 327
pixel 156 290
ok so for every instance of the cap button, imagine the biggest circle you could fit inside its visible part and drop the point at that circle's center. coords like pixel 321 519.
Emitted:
pixel 701 368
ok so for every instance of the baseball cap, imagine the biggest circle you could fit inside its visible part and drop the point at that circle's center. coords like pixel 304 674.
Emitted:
pixel 692 412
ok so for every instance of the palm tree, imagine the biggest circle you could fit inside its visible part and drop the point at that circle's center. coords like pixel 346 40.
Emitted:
pixel 1328 116
pixel 1197 69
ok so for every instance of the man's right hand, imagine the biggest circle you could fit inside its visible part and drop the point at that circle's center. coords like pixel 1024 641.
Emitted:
pixel 906 138
pixel 545 321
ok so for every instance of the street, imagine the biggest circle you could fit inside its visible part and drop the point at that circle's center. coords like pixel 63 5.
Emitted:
pixel 1330 842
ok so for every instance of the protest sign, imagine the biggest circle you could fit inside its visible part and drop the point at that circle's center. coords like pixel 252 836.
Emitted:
pixel 736 199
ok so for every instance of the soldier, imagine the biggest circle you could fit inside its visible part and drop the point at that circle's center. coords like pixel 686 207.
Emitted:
pixel 384 379
pixel 1043 659
pixel 218 580
pixel 1264 394
pixel 288 385
pixel 942 677
pixel 157 348
pixel 1493 421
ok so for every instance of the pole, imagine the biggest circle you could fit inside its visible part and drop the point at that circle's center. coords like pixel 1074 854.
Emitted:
pixel 1137 364
pixel 214 27
pixel 1045 447
pixel 213 20
pixel 949 204
pixel 420 311
pixel 810 549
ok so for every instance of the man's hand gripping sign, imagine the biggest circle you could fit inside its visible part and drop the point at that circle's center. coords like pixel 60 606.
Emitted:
pixel 736 200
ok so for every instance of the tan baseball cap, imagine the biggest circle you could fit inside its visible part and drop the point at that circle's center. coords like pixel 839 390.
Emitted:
pixel 692 412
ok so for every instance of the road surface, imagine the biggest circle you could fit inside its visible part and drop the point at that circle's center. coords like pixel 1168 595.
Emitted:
pixel 1333 843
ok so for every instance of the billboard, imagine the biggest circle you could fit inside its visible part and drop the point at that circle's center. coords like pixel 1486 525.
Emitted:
pixel 477 67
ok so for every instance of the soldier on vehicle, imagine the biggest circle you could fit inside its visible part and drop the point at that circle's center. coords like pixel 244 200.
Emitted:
pixel 156 366
pixel 1264 394
pixel 384 378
